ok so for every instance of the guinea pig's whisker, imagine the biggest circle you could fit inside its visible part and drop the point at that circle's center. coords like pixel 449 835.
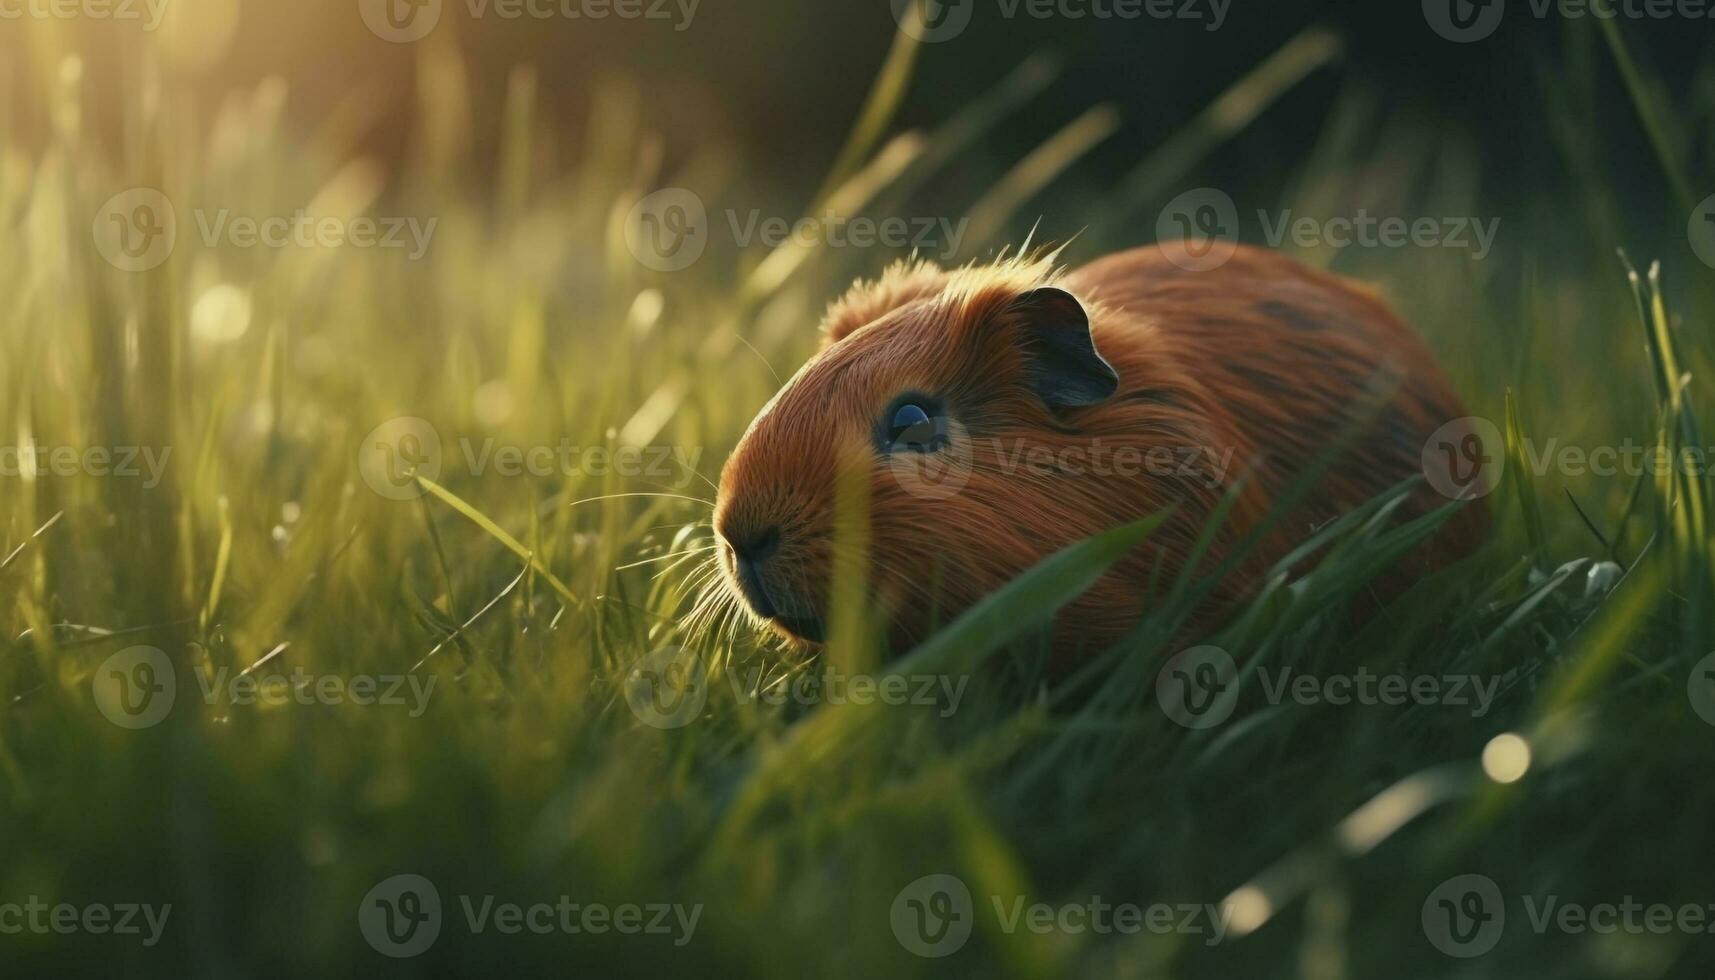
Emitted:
pixel 709 591
pixel 731 621
pixel 700 556
pixel 706 587
pixel 642 493
pixel 725 617
pixel 669 556
pixel 759 356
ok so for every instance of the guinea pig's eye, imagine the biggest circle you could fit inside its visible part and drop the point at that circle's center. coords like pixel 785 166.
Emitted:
pixel 915 425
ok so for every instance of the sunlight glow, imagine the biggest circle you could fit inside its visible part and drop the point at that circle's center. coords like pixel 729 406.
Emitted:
pixel 1506 758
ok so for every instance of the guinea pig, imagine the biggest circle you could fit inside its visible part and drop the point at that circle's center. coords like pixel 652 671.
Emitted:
pixel 998 413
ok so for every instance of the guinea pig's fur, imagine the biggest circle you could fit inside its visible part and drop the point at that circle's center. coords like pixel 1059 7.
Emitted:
pixel 1245 374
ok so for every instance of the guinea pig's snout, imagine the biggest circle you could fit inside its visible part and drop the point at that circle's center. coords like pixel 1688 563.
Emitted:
pixel 752 555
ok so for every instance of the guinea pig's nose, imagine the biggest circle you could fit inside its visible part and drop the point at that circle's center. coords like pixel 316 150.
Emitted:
pixel 750 552
pixel 757 546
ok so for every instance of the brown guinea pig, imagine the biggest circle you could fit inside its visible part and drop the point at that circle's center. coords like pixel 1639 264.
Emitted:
pixel 999 413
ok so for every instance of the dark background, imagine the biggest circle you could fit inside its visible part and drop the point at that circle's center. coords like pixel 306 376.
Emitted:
pixel 786 88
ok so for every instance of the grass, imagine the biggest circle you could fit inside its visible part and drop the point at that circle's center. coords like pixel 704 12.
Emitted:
pixel 526 601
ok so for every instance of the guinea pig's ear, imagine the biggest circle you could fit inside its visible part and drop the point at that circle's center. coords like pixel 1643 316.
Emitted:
pixel 1061 361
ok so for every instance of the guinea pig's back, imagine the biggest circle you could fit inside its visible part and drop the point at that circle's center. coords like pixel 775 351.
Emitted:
pixel 1289 358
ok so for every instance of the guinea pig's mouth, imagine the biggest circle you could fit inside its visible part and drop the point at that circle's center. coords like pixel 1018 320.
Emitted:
pixel 805 628
pixel 749 575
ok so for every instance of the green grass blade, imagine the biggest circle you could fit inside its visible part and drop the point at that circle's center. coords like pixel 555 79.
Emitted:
pixel 1027 602
pixel 499 534
pixel 1518 463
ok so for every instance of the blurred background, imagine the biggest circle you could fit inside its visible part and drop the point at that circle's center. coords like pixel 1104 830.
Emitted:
pixel 777 87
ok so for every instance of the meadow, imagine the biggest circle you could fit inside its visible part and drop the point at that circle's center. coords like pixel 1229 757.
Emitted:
pixel 404 552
